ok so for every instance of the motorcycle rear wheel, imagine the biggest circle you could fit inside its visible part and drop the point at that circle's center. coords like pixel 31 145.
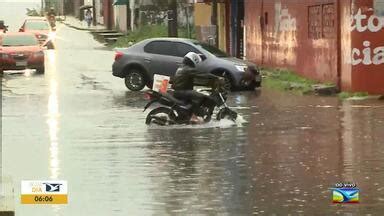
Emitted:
pixel 160 116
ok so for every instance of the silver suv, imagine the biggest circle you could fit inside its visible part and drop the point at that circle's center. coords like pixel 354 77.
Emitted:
pixel 138 63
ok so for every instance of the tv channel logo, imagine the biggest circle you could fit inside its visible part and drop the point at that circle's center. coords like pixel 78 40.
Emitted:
pixel 44 192
pixel 345 193
pixel 51 187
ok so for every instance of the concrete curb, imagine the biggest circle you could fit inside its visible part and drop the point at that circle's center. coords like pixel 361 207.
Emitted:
pixel 325 90
pixel 75 27
pixel 79 28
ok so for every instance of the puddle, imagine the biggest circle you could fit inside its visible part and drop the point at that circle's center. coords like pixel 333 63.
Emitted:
pixel 224 123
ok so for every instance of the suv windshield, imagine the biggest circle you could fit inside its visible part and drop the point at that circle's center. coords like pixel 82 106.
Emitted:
pixel 36 25
pixel 215 51
pixel 19 40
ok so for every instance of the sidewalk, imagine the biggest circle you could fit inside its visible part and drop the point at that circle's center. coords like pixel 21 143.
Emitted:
pixel 7 207
pixel 80 25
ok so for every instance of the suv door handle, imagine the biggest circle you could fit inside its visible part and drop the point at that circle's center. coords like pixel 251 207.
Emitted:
pixel 147 59
pixel 179 63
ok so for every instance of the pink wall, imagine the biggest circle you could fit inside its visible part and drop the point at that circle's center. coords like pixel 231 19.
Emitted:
pixel 367 55
pixel 303 36
pixel 291 39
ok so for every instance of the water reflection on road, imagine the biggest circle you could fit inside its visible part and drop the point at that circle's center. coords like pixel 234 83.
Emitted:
pixel 78 123
pixel 53 116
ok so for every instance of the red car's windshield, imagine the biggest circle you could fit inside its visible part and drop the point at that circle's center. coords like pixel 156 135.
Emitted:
pixel 19 40
pixel 36 25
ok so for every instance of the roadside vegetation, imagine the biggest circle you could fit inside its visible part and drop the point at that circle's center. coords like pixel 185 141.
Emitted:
pixel 346 95
pixel 287 80
pixel 150 31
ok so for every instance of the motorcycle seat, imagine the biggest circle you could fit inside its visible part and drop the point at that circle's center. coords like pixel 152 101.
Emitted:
pixel 172 98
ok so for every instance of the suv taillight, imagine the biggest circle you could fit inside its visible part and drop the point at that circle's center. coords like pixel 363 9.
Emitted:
pixel 118 55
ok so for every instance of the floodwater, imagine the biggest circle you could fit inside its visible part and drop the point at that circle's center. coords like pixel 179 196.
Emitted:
pixel 79 123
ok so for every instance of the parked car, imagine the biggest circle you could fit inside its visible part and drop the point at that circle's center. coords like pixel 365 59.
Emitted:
pixel 41 28
pixel 19 51
pixel 138 63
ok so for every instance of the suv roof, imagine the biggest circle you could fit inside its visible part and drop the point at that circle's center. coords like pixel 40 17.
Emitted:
pixel 174 39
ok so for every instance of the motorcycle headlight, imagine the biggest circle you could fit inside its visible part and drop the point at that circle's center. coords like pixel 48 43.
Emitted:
pixel 241 68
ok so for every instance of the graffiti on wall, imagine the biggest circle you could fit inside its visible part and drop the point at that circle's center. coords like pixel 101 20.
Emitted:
pixel 283 19
pixel 314 22
pixel 328 22
pixel 368 55
pixel 321 21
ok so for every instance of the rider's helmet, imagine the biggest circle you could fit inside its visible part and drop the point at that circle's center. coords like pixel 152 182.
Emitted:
pixel 192 59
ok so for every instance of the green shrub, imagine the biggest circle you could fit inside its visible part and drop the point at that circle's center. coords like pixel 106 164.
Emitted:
pixel 286 80
pixel 346 95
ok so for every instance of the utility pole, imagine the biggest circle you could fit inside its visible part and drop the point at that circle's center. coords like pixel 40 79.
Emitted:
pixel 172 18
pixel 94 12
pixel 187 16
pixel 214 21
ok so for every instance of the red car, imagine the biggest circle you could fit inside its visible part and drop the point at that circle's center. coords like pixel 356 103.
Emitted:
pixel 19 51
pixel 41 28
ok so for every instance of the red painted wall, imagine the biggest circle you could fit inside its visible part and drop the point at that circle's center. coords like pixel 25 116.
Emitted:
pixel 285 40
pixel 367 48
pixel 346 45
pixel 303 36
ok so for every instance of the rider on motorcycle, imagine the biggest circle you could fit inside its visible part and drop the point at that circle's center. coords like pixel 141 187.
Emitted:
pixel 184 80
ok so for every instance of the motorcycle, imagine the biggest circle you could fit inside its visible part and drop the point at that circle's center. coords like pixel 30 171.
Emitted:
pixel 174 111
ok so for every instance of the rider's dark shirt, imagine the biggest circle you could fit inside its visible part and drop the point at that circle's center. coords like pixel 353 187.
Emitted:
pixel 186 76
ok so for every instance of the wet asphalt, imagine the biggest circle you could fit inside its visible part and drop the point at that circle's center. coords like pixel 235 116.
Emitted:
pixel 79 123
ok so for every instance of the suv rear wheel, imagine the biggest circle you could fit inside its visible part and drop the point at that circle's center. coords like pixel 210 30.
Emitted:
pixel 135 80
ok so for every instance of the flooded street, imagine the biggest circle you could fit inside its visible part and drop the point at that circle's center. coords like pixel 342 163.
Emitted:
pixel 78 123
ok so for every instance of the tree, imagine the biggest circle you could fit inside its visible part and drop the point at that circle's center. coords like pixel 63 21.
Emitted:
pixel 172 18
pixel 214 21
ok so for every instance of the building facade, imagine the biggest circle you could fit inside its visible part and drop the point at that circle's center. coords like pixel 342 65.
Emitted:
pixel 337 41
pixel 230 17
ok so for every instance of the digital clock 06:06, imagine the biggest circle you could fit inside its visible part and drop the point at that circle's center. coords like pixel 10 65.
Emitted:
pixel 43 199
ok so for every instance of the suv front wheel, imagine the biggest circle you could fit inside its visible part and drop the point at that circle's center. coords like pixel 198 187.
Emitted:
pixel 135 80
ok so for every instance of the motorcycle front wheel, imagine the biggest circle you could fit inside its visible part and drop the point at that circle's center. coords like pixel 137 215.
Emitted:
pixel 226 113
pixel 161 116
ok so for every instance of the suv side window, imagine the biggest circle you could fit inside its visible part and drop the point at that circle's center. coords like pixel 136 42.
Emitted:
pixel 182 49
pixel 160 47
